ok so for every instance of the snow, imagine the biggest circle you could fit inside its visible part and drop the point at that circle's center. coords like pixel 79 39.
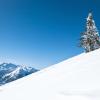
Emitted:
pixel 10 72
pixel 17 71
pixel 13 74
pixel 77 78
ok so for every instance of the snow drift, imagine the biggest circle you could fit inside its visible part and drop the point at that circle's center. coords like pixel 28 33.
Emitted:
pixel 77 78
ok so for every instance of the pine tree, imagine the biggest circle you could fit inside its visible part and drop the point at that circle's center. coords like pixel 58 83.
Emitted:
pixel 90 39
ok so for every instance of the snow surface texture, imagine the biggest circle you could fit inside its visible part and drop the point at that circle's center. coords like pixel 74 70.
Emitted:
pixel 77 78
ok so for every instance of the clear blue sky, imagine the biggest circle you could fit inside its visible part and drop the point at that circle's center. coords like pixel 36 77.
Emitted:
pixel 40 33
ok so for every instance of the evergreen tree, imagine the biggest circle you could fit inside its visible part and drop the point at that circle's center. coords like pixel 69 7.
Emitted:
pixel 90 39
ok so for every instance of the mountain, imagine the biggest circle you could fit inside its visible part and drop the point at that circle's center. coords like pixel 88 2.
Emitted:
pixel 10 72
pixel 77 78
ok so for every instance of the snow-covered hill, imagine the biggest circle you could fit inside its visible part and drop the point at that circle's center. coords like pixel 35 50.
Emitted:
pixel 77 78
pixel 10 72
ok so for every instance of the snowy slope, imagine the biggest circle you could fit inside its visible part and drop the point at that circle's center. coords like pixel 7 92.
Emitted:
pixel 77 78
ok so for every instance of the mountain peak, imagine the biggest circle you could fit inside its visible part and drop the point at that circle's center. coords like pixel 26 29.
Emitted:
pixel 10 72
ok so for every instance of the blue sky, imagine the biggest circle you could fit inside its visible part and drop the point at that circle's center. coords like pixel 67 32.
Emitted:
pixel 40 33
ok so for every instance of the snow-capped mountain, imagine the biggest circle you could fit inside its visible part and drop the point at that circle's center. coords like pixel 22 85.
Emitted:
pixel 10 72
pixel 77 78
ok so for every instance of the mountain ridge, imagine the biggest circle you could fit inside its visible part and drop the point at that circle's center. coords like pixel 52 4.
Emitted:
pixel 10 72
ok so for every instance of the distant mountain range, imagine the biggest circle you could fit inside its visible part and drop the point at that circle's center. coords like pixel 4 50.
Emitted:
pixel 10 72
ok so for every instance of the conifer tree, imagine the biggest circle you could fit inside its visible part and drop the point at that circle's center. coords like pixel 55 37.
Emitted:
pixel 90 39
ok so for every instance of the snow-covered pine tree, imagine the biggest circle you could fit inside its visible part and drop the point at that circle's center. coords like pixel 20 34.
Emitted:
pixel 90 39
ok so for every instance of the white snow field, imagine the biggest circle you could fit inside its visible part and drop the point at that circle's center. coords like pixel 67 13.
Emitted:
pixel 77 78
